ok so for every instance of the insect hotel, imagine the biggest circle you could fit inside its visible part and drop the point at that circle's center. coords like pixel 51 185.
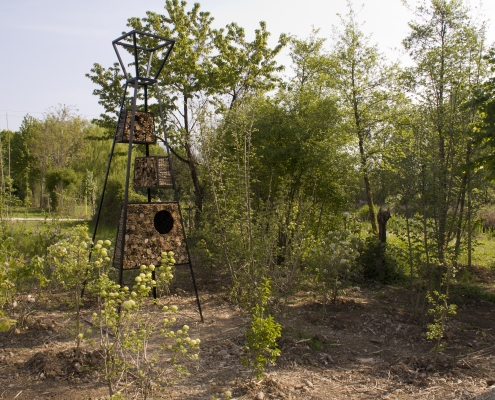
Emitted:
pixel 145 229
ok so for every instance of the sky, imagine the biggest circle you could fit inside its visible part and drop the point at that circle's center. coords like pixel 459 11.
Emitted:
pixel 47 46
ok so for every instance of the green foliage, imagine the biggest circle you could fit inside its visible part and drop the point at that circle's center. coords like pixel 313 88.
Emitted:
pixel 275 180
pixel 109 93
pixel 367 261
pixel 9 263
pixel 462 291
pixel 330 259
pixel 57 181
pixel 132 366
pixel 227 395
pixel 262 336
pixel 76 261
pixel 15 275
pixel 440 309
pixel 114 197
pixel 484 127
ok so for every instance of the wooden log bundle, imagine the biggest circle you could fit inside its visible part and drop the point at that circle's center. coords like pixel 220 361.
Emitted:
pixel 144 128
pixel 152 172
pixel 151 228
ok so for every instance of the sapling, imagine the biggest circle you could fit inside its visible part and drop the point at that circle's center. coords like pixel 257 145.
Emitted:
pixel 262 335
pixel 73 267
pixel 8 263
pixel 440 309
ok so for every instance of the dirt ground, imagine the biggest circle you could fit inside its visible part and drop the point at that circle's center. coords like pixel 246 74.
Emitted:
pixel 367 346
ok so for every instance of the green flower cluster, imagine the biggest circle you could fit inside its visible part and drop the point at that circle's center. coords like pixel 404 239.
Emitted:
pixel 166 272
pixel 125 331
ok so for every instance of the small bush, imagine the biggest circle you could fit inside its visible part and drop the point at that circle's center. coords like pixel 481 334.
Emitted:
pixel 367 261
pixel 262 336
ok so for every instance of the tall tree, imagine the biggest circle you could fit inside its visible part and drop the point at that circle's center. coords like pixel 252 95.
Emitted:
pixel 204 65
pixel 240 67
pixel 445 47
pixel 364 83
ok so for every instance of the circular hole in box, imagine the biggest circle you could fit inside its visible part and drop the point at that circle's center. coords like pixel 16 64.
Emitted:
pixel 164 222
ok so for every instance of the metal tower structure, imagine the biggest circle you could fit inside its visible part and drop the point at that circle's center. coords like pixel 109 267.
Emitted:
pixel 145 229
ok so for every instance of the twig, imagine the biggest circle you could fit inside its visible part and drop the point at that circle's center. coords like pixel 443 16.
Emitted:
pixel 103 329
pixel 478 353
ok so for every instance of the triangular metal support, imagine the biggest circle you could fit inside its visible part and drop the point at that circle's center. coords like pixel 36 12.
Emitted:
pixel 145 228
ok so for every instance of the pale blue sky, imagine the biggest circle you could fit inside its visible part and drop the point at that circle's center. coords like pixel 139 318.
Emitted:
pixel 48 45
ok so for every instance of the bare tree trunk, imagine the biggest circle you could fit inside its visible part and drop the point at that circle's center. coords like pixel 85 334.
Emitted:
pixel 383 217
pixel 364 165
pixel 469 220
pixel 409 246
pixel 425 232
pixel 198 190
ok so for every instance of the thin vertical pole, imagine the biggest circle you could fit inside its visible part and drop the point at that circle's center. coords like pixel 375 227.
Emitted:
pixel 177 200
pixel 147 145
pixel 8 133
pixel 109 163
pixel 153 274
pixel 127 175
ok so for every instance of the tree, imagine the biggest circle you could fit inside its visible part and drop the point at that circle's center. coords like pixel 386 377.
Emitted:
pixel 279 176
pixel 484 129
pixel 445 47
pixel 241 67
pixel 204 65
pixel 58 180
pixel 364 83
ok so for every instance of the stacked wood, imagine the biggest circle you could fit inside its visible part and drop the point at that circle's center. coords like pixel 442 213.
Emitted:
pixel 164 173
pixel 152 172
pixel 144 127
pixel 145 174
pixel 143 241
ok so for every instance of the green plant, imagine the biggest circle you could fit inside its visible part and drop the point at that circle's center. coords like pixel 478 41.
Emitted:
pixel 262 336
pixel 440 309
pixel 16 275
pixel 165 273
pixel 227 395
pixel 367 260
pixel 132 366
pixel 74 267
pixel 313 342
pixel 331 258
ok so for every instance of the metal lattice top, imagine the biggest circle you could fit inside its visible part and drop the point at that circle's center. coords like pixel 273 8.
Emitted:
pixel 145 51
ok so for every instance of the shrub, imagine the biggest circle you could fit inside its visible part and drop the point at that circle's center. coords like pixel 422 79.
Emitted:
pixel 74 266
pixel 132 367
pixel 262 336
pixel 331 259
pixel 368 256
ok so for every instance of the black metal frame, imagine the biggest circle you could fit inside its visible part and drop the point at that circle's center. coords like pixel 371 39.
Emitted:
pixel 133 36
pixel 130 41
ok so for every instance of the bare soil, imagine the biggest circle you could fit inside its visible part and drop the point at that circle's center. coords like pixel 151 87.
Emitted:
pixel 367 346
